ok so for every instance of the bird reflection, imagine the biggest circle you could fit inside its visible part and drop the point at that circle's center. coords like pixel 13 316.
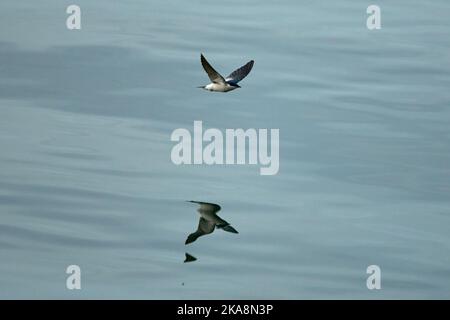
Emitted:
pixel 209 220
pixel 189 258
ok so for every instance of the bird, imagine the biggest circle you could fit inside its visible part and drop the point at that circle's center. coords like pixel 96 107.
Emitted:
pixel 221 84
pixel 209 220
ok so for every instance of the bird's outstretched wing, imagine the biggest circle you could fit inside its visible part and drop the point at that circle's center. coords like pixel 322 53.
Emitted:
pixel 213 75
pixel 239 74
pixel 204 227
pixel 207 206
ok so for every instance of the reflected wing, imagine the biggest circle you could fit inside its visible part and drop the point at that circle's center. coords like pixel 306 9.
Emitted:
pixel 204 227
pixel 213 75
pixel 239 74
pixel 207 207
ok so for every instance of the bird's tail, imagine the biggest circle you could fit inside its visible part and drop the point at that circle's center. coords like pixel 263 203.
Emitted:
pixel 201 87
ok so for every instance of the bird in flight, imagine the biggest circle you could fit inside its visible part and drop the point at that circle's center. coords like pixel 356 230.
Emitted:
pixel 209 220
pixel 221 84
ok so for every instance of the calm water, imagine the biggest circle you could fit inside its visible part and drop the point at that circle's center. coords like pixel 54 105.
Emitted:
pixel 85 170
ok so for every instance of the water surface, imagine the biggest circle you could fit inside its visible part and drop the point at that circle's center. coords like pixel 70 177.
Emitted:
pixel 85 170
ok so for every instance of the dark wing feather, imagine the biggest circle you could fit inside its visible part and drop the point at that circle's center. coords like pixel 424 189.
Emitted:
pixel 239 74
pixel 213 75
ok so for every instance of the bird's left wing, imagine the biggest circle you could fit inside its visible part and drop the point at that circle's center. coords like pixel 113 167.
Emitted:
pixel 239 74
pixel 213 75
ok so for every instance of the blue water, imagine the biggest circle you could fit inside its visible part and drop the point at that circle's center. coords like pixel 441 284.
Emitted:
pixel 85 170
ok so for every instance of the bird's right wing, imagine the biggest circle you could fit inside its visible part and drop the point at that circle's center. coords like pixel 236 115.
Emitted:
pixel 239 74
pixel 213 75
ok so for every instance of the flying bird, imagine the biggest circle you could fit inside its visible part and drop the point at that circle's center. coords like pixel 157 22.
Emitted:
pixel 221 84
pixel 209 220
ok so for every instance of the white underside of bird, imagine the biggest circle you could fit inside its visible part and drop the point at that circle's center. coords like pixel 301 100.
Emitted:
pixel 221 84
pixel 219 87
